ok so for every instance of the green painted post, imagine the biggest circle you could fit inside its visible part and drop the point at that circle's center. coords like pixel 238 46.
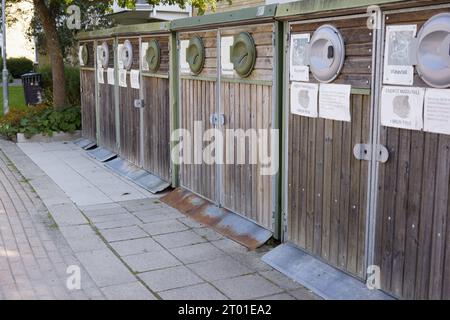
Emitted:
pixel 173 101
pixel 97 96
pixel 116 94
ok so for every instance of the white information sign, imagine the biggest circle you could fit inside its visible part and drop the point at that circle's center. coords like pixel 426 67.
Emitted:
pixel 184 65
pixel 99 55
pixel 134 79
pixel 110 76
pixel 334 102
pixel 437 111
pixel 402 107
pixel 299 69
pixel 144 63
pixel 100 75
pixel 398 67
pixel 123 78
pixel 304 98
pixel 225 59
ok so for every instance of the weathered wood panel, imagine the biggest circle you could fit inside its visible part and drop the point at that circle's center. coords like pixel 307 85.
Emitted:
pixel 129 124
pixel 156 114
pixel 156 126
pixel 248 110
pixel 129 115
pixel 413 207
pixel 106 101
pixel 88 112
pixel 197 104
pixel 327 185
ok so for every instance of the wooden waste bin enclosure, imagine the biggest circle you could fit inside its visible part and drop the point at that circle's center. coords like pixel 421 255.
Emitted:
pixel 134 105
pixel 363 198
pixel 218 89
pixel 87 87
pixel 412 242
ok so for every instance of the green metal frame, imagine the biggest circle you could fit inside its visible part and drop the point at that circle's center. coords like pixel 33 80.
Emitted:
pixel 249 14
pixel 173 102
pixel 315 6
pixel 136 29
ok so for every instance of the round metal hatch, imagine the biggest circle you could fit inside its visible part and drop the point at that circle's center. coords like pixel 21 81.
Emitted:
pixel 104 55
pixel 243 54
pixel 127 54
pixel 195 55
pixel 84 55
pixel 326 53
pixel 433 51
pixel 153 55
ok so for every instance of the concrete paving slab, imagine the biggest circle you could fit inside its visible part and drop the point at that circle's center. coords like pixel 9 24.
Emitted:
pixel 128 291
pixel 171 278
pixel 179 239
pixel 151 261
pixel 124 233
pixel 247 287
pixel 162 227
pixel 197 253
pixel 136 246
pixel 219 268
pixel 203 291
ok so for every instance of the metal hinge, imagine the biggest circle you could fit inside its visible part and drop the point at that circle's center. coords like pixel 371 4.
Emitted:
pixel 363 151
pixel 217 119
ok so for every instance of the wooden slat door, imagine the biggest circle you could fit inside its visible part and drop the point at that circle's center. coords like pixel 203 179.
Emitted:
pixel 106 101
pixel 129 115
pixel 156 114
pixel 412 246
pixel 87 84
pixel 327 186
pixel 247 104
pixel 197 104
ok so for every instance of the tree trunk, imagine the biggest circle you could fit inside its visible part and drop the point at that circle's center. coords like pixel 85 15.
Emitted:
pixel 54 50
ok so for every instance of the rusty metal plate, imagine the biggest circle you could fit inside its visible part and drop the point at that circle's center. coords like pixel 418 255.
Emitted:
pixel 101 154
pixel 227 223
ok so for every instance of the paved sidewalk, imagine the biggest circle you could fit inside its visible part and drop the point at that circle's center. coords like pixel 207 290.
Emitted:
pixel 129 244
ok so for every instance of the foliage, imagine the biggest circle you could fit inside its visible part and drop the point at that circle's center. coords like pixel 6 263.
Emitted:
pixel 72 84
pixel 40 119
pixel 18 66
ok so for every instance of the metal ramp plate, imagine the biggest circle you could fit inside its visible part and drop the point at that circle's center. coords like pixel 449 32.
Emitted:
pixel 319 277
pixel 84 143
pixel 225 222
pixel 139 176
pixel 101 154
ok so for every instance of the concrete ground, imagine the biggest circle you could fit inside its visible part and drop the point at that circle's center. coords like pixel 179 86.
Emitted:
pixel 61 209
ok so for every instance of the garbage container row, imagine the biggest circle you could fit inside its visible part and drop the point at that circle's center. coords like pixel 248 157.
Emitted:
pixel 354 104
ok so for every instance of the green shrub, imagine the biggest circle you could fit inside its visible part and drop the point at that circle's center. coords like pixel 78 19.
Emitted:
pixel 40 119
pixel 18 66
pixel 72 84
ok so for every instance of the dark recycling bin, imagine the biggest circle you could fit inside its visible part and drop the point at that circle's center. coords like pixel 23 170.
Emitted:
pixel 32 86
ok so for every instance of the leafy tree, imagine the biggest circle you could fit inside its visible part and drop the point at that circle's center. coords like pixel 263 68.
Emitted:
pixel 51 19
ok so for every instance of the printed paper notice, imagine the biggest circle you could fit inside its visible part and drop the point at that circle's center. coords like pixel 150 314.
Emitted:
pixel 100 75
pixel 119 54
pixel 299 69
pixel 144 63
pixel 225 59
pixel 402 107
pixel 437 111
pixel 334 102
pixel 99 55
pixel 134 79
pixel 398 67
pixel 184 65
pixel 80 55
pixel 304 98
pixel 123 78
pixel 110 76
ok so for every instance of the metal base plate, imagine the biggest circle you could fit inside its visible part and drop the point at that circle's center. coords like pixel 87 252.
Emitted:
pixel 101 154
pixel 319 277
pixel 84 143
pixel 222 220
pixel 139 176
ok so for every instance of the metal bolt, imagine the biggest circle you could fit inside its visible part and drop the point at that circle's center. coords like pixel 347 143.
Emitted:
pixel 413 226
pixel 389 218
pixel 318 195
